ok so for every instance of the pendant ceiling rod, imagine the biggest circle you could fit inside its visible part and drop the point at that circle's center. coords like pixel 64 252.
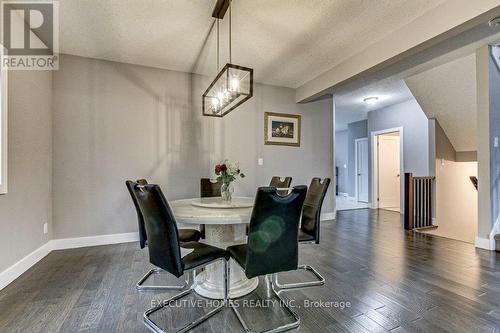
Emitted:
pixel 217 45
pixel 220 9
pixel 230 34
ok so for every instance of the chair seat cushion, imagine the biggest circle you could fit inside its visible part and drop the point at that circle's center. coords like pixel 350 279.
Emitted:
pixel 189 235
pixel 239 254
pixel 304 236
pixel 202 254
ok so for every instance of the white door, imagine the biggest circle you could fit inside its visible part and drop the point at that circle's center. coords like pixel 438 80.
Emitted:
pixel 388 171
pixel 362 169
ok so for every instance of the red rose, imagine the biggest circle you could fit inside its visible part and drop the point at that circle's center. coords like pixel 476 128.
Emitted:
pixel 217 169
pixel 223 168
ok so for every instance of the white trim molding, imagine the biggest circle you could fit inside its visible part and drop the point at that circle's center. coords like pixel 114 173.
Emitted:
pixel 489 243
pixel 485 243
pixel 73 243
pixel 374 169
pixel 14 271
pixel 496 229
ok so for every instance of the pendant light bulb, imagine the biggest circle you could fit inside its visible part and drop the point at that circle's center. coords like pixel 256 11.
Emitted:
pixel 235 84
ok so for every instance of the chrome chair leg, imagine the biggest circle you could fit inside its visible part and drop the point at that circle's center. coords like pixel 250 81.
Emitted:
pixel 141 287
pixel 165 304
pixel 282 328
pixel 319 282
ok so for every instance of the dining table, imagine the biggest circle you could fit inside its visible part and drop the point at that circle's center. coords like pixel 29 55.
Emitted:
pixel 225 225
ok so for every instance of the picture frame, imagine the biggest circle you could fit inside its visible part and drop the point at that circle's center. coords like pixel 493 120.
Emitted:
pixel 282 129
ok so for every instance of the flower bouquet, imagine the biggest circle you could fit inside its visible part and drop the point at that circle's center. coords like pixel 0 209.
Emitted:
pixel 227 173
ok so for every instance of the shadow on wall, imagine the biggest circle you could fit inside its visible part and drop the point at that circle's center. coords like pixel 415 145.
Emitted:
pixel 118 122
pixel 181 144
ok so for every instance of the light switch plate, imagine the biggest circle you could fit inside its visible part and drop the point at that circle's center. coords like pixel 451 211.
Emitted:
pixel 45 228
pixel 495 143
pixel 260 161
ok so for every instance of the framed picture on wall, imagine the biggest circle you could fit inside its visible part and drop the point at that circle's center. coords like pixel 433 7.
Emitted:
pixel 282 129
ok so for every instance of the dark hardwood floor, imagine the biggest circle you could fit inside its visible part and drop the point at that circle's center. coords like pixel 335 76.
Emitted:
pixel 393 280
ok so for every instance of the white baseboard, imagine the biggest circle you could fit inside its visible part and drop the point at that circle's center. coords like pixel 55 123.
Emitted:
pixel 489 243
pixel 485 243
pixel 73 243
pixel 496 229
pixel 328 216
pixel 14 271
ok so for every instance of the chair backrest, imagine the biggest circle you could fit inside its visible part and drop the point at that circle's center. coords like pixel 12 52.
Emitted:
pixel 140 220
pixel 160 227
pixel 209 189
pixel 311 211
pixel 272 237
pixel 276 182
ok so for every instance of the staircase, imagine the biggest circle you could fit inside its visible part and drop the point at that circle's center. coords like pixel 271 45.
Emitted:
pixel 418 202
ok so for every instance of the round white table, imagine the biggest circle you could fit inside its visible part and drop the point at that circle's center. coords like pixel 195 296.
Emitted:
pixel 223 227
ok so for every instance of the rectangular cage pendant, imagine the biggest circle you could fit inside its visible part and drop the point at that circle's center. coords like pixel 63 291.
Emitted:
pixel 232 87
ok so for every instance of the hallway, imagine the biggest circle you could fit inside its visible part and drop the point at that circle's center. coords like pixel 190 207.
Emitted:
pixel 348 203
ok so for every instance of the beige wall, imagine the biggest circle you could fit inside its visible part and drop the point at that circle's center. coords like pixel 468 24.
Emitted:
pixel 28 203
pixel 457 200
pixel 115 121
pixel 244 138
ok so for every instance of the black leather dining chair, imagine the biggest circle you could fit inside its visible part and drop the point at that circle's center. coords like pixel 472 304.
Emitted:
pixel 164 249
pixel 278 183
pixel 309 231
pixel 208 189
pixel 185 235
pixel 272 245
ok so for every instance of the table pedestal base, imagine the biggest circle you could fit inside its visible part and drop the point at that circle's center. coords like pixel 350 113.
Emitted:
pixel 211 280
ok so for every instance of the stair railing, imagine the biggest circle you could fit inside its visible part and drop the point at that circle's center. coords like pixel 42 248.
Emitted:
pixel 418 201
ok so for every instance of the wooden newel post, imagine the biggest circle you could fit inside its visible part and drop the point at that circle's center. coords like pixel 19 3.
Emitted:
pixel 408 202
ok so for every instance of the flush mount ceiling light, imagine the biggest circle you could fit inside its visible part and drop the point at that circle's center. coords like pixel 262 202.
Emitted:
pixel 371 100
pixel 234 84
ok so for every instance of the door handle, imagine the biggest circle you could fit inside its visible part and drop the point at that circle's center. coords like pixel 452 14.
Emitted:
pixel 397 175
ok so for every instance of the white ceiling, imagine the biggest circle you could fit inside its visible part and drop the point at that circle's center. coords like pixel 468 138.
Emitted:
pixel 287 42
pixel 350 107
pixel 448 93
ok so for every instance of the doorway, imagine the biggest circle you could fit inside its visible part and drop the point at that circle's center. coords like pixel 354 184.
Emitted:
pixel 361 163
pixel 387 170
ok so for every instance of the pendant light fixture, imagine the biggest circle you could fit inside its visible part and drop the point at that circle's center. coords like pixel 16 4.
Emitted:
pixel 233 84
